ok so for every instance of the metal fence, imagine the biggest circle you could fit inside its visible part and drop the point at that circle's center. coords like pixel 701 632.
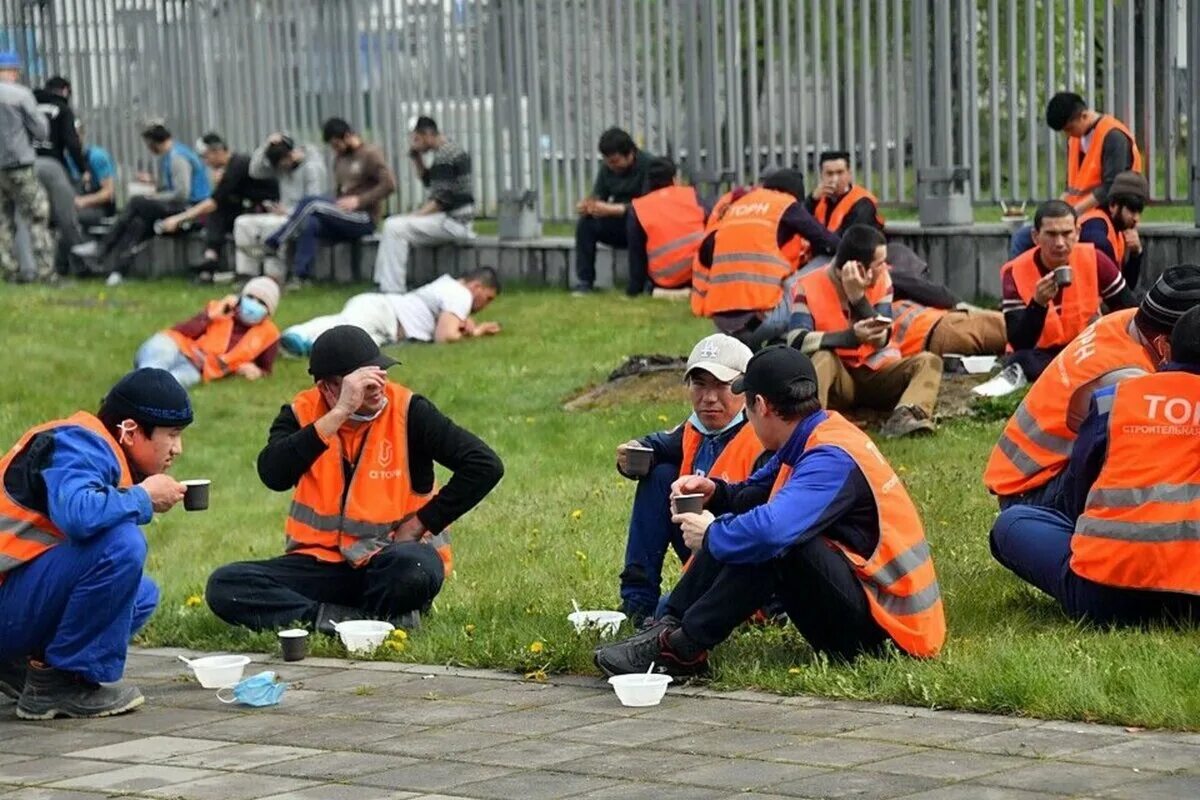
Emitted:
pixel 726 87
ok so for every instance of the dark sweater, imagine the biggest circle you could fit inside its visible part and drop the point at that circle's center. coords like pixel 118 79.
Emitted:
pixel 63 137
pixel 432 437
pixel 364 173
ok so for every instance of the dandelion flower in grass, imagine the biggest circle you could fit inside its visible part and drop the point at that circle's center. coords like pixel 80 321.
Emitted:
pixel 395 645
pixel 582 556
pixel 536 647
pixel 193 601
pixel 577 514
pixel 794 671
pixel 662 418
pixel 400 634
pixel 469 629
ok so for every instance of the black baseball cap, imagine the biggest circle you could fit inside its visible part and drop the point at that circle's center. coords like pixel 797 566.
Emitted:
pixel 773 368
pixel 343 349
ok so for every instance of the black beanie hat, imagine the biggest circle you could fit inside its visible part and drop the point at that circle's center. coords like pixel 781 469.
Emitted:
pixel 1175 293
pixel 149 396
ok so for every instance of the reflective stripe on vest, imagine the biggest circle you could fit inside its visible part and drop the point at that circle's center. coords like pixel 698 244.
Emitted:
pixel 748 268
pixel 1115 240
pixel 898 579
pixel 914 322
pixel 833 219
pixel 735 461
pixel 1140 528
pixel 827 307
pixel 26 533
pixel 1080 305
pixel 673 221
pixel 1037 441
pixel 1086 173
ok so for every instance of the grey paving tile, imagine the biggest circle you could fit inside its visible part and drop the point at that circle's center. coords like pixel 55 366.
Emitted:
pixel 531 753
pixel 231 786
pixel 533 785
pixel 438 741
pixel 241 757
pixel 726 741
pixel 1056 776
pixel 933 732
pixel 428 713
pixel 858 784
pixel 36 741
pixel 245 727
pixel 432 776
pixel 341 791
pixel 947 764
pixel 148 749
pixel 12 758
pixel 1036 742
pixel 736 774
pixel 525 695
pixel 49 769
pixel 818 721
pixel 336 766
pixel 150 721
pixel 359 680
pixel 1144 753
pixel 530 722
pixel 440 686
pixel 837 751
pixel 630 732
pixel 711 711
pixel 656 791
pixel 635 763
pixel 135 778
pixel 606 703
pixel 52 794
pixel 1166 787
pixel 976 791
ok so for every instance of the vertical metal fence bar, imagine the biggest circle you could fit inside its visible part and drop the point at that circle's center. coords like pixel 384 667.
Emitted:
pixel 850 109
pixel 1012 92
pixel 734 119
pixel 1031 123
pixel 970 100
pixel 994 98
pixel 901 135
pixel 832 44
pixel 770 86
pixel 1128 63
pixel 1172 23
pixel 883 102
pixel 580 160
pixel 1050 34
pixel 646 82
pixel 1069 42
pixel 802 85
pixel 943 150
pixel 871 144
pixel 1110 97
pixel 1089 57
pixel 1150 99
pixel 1193 66
pixel 820 131
pixel 751 103
pixel 786 86
pixel 537 177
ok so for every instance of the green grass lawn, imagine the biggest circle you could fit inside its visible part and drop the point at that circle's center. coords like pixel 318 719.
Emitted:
pixel 554 529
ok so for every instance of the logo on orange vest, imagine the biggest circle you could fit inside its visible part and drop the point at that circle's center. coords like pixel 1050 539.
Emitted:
pixel 385 453
pixel 746 209
pixel 1175 410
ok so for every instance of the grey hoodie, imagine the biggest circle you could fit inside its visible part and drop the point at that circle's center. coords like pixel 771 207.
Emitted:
pixel 21 123
pixel 309 178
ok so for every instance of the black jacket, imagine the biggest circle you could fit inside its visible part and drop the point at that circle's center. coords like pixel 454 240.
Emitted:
pixel 63 136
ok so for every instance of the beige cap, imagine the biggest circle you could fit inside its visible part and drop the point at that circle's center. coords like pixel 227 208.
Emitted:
pixel 720 355
pixel 266 290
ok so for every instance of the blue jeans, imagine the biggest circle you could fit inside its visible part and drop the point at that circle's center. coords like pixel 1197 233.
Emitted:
pixel 1044 496
pixel 77 605
pixel 1020 241
pixel 1035 544
pixel 161 351
pixel 651 532
pixel 314 219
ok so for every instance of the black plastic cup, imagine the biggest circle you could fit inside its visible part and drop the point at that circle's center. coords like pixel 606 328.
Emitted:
pixel 196 496
pixel 294 644
pixel 637 460
pixel 688 503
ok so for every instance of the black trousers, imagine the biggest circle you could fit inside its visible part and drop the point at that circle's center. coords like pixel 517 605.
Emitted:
pixel 272 594
pixel 814 582
pixel 218 225
pixel 1033 362
pixel 134 226
pixel 590 231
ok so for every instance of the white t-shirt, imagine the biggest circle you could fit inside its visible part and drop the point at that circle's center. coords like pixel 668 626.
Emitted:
pixel 418 311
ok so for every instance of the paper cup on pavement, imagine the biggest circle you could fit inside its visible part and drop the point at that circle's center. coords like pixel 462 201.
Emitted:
pixel 637 460
pixel 196 496
pixel 688 503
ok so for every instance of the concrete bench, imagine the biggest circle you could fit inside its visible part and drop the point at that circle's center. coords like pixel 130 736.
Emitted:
pixel 547 261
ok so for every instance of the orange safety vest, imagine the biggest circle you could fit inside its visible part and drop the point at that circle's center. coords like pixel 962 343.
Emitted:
pixel 1140 528
pixel 1037 441
pixel 1115 239
pixel 736 461
pixel 912 325
pixel 898 579
pixel 210 354
pixel 332 523
pixel 699 271
pixel 1080 301
pixel 748 267
pixel 833 217
pixel 25 533
pixel 827 306
pixel 1085 173
pixel 674 224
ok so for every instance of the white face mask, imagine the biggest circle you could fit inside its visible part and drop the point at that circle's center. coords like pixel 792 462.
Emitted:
pixel 368 417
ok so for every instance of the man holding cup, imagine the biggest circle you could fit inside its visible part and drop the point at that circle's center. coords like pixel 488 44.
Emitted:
pixel 831 533
pixel 715 440
pixel 72 588
pixel 1050 294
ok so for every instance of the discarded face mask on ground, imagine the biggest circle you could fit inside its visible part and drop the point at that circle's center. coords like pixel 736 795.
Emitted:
pixel 263 689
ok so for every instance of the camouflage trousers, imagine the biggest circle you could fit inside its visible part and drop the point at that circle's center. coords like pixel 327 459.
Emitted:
pixel 21 193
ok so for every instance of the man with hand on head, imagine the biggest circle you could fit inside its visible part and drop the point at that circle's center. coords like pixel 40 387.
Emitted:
pixel 837 541
pixel 366 531
pixel 715 440
pixel 72 587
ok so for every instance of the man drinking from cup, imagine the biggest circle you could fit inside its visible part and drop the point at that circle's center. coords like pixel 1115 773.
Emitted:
pixel 1050 294
pixel 714 440
pixel 72 588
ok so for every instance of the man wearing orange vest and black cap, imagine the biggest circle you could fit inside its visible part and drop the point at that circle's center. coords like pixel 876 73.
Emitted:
pixel 1112 227
pixel 72 587
pixel 837 202
pixel 747 263
pixel 366 532
pixel 1026 466
pixel 1050 294
pixel 664 229
pixel 231 336
pixel 1122 542
pixel 842 317
pixel 838 541
pixel 715 440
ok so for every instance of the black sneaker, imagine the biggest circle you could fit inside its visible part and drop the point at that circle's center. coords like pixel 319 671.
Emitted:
pixel 51 693
pixel 649 645
pixel 12 678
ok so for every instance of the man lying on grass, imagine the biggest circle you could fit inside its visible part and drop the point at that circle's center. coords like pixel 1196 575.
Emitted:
pixel 839 542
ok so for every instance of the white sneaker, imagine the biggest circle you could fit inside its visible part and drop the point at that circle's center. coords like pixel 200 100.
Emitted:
pixel 114 279
pixel 86 249
pixel 1008 381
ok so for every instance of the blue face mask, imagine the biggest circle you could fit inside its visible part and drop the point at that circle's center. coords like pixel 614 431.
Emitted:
pixel 251 311
pixel 263 689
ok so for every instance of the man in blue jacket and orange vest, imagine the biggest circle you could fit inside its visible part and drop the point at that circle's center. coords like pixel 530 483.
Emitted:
pixel 72 588
pixel 1121 542
pixel 715 440
pixel 839 542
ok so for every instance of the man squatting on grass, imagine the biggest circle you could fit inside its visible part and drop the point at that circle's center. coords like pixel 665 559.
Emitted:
pixel 839 542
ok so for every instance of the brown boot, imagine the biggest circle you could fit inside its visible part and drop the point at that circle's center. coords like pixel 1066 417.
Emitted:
pixel 907 421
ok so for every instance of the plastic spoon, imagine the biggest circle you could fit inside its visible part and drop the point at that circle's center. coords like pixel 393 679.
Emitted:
pixel 575 604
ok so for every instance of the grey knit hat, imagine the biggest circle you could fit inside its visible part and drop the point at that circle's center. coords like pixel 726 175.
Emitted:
pixel 1175 293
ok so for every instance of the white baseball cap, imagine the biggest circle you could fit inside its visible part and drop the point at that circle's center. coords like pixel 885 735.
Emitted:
pixel 720 355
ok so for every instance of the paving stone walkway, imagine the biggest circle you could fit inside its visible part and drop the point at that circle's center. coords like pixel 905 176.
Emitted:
pixel 376 731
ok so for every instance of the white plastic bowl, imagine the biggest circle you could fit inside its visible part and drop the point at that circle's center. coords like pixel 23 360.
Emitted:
pixel 605 622
pixel 217 672
pixel 978 365
pixel 640 689
pixel 363 635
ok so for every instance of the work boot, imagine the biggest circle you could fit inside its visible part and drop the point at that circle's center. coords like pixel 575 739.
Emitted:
pixel 329 614
pixel 409 620
pixel 12 678
pixel 654 644
pixel 907 421
pixel 51 693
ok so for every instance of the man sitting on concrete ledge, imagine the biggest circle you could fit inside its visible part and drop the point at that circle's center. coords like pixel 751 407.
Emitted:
pixel 438 312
